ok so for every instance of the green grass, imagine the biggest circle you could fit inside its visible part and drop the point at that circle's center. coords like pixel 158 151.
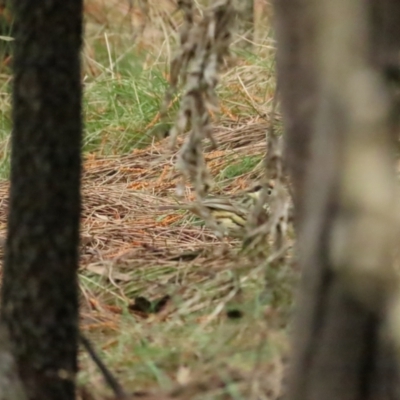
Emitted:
pixel 151 352
pixel 121 104
pixel 118 111
pixel 238 168
pixel 119 107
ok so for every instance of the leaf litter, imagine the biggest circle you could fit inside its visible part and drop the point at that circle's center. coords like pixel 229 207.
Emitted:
pixel 159 266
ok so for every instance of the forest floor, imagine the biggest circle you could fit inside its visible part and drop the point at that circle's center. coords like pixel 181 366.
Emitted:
pixel 160 293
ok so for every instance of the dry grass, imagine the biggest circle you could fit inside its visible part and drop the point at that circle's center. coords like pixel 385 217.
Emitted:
pixel 160 292
pixel 135 253
pixel 157 290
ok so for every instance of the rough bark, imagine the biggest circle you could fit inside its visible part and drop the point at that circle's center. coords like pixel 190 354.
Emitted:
pixel 296 71
pixel 341 347
pixel 40 291
pixel 10 384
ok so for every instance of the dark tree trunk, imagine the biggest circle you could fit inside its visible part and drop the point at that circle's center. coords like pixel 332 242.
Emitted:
pixel 40 290
pixel 340 347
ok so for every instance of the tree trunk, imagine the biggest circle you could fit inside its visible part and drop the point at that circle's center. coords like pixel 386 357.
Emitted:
pixel 341 347
pixel 40 290
pixel 11 387
pixel 295 26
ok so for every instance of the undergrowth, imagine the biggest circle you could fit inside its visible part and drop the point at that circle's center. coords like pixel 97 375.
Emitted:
pixel 221 332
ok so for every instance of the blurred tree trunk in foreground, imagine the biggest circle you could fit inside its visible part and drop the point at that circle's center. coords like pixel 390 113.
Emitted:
pixel 40 291
pixel 341 117
pixel 296 69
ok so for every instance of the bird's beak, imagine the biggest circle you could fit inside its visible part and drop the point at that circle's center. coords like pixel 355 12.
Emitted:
pixel 255 192
pixel 254 195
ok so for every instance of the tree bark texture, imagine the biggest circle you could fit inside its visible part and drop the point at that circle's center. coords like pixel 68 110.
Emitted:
pixel 341 348
pixel 40 290
pixel 6 29
pixel 297 84
pixel 11 387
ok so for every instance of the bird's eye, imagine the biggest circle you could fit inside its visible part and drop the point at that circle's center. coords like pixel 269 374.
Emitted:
pixel 271 186
pixel 257 188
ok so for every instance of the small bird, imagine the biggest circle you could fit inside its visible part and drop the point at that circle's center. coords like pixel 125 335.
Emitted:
pixel 230 214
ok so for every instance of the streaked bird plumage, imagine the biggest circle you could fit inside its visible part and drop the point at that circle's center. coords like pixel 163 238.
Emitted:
pixel 230 214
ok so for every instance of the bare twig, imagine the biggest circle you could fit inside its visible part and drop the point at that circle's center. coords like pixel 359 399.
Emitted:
pixel 111 381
